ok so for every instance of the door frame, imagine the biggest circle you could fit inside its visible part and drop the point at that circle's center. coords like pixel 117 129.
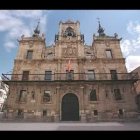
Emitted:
pixel 60 118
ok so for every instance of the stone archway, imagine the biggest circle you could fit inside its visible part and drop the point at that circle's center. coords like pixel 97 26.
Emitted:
pixel 70 108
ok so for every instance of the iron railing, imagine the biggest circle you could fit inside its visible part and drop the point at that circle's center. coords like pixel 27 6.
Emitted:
pixel 70 77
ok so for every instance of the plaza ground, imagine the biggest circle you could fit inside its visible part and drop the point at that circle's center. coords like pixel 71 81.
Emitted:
pixel 70 126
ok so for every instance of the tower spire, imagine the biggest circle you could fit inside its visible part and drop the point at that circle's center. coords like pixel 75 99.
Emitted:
pixel 100 29
pixel 37 31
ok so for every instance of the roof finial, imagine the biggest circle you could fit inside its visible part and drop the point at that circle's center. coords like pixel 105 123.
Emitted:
pixel 100 30
pixel 37 31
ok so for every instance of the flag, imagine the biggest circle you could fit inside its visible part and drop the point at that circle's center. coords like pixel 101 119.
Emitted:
pixel 69 66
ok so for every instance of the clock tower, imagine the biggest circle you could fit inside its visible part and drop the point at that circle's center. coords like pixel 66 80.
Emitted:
pixel 69 41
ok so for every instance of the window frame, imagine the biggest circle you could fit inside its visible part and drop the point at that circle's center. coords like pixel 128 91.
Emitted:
pixel 25 75
pixel 91 76
pixel 48 77
pixel 113 74
pixel 20 96
pixel 70 75
pixel 93 91
pixel 109 55
pixel 95 112
pixel 44 99
pixel 44 113
pixel 117 95
pixel 29 55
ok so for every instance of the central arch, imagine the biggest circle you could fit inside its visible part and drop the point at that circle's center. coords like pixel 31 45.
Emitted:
pixel 70 108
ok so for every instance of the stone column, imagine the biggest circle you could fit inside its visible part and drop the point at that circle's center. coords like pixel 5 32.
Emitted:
pixel 57 115
pixel 82 110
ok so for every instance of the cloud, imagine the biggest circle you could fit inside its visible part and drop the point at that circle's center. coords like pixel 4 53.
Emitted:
pixel 133 27
pixel 14 23
pixel 27 13
pixel 9 45
pixel 131 46
pixel 126 47
pixel 132 62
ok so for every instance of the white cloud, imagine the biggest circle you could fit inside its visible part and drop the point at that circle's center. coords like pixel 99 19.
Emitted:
pixel 133 27
pixel 132 62
pixel 131 46
pixel 126 47
pixel 27 13
pixel 17 22
pixel 9 45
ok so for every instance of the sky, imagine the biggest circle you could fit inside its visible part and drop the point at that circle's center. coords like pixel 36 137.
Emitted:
pixel 15 23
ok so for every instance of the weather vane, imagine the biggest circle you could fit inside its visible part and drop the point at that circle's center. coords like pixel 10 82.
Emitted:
pixel 38 20
pixel 98 20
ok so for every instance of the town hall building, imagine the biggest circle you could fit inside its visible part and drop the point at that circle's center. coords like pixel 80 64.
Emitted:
pixel 70 81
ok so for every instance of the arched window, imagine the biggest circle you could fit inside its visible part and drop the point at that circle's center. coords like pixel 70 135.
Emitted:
pixel 93 96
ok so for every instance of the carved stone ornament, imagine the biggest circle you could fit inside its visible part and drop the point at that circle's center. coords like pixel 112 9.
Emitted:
pixel 69 52
pixel 31 44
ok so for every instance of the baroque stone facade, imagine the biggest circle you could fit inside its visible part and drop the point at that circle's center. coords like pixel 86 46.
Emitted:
pixel 70 81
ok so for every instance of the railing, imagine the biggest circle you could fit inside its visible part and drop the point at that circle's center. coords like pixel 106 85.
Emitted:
pixel 70 77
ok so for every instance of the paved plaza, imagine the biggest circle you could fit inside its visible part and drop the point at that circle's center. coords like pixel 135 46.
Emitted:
pixel 70 126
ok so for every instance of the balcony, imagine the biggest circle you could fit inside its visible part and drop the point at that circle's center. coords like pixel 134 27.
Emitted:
pixel 71 77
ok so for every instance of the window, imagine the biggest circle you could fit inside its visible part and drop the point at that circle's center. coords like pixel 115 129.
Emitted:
pixel 93 96
pixel 109 54
pixel 95 112
pixel 33 95
pixel 46 96
pixel 44 113
pixel 29 54
pixel 22 96
pixel 20 113
pixel 48 75
pixel 1 93
pixel 106 93
pixel 25 75
pixel 117 94
pixel 69 75
pixel 113 74
pixel 138 101
pixel 91 75
pixel 120 112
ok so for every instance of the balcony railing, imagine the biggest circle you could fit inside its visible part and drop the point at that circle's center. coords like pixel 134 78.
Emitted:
pixel 71 77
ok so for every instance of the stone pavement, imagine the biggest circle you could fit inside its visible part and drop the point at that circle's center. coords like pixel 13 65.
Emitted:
pixel 70 126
